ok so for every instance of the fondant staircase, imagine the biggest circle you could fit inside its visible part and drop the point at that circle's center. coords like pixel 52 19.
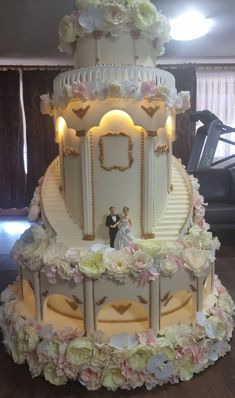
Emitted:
pixel 178 211
pixel 54 211
pixel 171 226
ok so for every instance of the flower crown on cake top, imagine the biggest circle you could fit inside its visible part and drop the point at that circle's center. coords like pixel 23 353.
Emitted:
pixel 110 18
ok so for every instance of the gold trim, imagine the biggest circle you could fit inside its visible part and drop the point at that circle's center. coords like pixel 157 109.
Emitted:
pixel 101 152
pixel 81 133
pixel 101 301
pixel 149 235
pixel 88 237
pixel 142 300
pixel 151 110
pixel 161 148
pixel 121 308
pixel 70 152
pixel 123 320
pixel 81 112
pixel 164 313
pixel 152 133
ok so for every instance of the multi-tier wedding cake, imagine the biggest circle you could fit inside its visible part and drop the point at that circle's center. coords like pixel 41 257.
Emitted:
pixel 116 282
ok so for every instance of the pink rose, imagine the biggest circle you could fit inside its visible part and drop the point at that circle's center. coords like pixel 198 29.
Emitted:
pixel 148 89
pixel 80 91
pixel 90 377
pixel 148 338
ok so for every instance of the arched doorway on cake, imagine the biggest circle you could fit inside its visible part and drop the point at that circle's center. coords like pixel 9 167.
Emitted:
pixel 65 310
pixel 177 305
pixel 122 316
pixel 117 162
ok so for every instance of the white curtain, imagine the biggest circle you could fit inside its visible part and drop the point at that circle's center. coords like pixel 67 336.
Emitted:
pixel 216 93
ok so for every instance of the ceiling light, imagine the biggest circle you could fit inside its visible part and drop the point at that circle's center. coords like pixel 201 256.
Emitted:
pixel 190 26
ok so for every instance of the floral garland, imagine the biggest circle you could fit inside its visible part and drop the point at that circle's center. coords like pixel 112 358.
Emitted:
pixel 100 90
pixel 124 361
pixel 143 261
pixel 110 18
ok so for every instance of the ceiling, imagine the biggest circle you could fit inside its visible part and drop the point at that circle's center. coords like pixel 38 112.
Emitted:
pixel 28 31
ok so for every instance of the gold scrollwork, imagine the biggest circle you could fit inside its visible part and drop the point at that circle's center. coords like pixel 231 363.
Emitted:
pixel 149 235
pixel 80 133
pixel 70 152
pixel 151 133
pixel 161 148
pixel 142 300
pixel 88 237
pixel 151 110
pixel 101 301
pixel 121 309
pixel 81 112
pixel 101 155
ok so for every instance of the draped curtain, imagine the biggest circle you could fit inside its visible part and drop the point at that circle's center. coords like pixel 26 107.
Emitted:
pixel 216 93
pixel 12 175
pixel 41 147
pixel 185 79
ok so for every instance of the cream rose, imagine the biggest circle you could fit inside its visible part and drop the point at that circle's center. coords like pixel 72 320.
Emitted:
pixel 114 90
pixel 168 267
pixel 139 356
pixel 144 14
pixel 115 15
pixel 67 30
pixel 92 265
pixel 55 348
pixel 51 375
pixel 196 260
pixel 112 378
pixel 79 351
pixel 64 270
pixel 27 339
pixel 117 263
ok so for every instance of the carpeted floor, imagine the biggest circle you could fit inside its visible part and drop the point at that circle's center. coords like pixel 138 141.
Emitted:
pixel 217 381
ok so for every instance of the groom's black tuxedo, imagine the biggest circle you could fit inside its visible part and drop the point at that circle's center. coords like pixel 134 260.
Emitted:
pixel 112 231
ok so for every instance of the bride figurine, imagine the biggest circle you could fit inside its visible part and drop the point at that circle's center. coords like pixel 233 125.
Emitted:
pixel 123 237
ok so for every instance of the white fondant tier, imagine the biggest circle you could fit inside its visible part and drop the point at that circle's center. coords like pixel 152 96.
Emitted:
pixel 122 49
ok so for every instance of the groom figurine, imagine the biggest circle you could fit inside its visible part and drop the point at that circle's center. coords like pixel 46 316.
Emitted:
pixel 111 222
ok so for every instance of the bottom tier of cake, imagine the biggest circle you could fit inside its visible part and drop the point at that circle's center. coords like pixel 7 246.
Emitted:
pixel 126 360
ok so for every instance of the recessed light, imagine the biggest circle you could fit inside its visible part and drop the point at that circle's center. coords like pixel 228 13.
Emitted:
pixel 189 26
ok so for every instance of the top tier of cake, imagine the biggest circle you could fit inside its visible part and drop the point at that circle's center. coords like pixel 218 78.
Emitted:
pixel 109 32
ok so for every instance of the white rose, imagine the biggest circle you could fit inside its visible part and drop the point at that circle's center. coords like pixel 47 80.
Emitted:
pixel 196 260
pixel 144 14
pixel 79 351
pixel 64 270
pixel 168 267
pixel 67 30
pixel 115 15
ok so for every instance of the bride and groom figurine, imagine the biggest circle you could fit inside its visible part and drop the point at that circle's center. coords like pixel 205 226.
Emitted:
pixel 119 228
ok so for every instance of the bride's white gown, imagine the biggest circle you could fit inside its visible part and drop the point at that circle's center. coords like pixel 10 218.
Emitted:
pixel 123 237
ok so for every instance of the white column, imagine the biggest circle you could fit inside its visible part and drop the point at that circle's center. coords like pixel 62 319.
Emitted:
pixel 37 293
pixel 155 305
pixel 148 189
pixel 169 165
pixel 89 310
pixel 200 284
pixel 88 227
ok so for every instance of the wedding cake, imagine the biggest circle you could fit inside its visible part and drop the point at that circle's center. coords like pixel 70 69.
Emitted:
pixel 116 282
